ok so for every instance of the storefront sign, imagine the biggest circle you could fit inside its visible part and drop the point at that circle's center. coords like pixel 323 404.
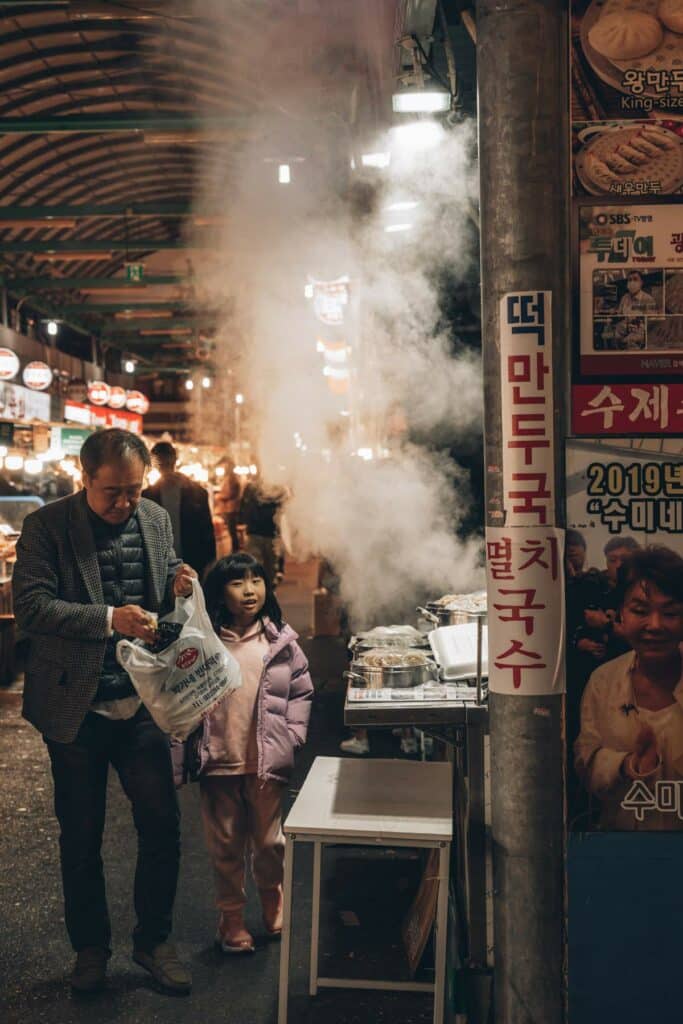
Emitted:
pixel 17 403
pixel 527 408
pixel 631 290
pixel 69 440
pixel 124 420
pixel 98 417
pixel 135 271
pixel 619 409
pixel 98 392
pixel 137 402
pixel 526 623
pixel 9 364
pixel 117 398
pixel 330 298
pixel 76 412
pixel 37 376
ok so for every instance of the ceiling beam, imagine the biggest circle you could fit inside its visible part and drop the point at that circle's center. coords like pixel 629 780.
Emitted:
pixel 40 213
pixel 58 245
pixel 19 285
pixel 125 121
pixel 165 326
pixel 126 307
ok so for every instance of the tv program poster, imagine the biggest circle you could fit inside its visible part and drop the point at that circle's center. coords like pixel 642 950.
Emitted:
pixel 630 290
pixel 631 491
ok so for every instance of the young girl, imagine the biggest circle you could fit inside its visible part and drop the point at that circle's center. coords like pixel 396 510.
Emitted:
pixel 248 745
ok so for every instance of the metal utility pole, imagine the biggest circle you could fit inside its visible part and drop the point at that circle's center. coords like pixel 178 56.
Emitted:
pixel 522 60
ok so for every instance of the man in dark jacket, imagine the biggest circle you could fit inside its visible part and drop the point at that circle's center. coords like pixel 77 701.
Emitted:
pixel 89 569
pixel 187 504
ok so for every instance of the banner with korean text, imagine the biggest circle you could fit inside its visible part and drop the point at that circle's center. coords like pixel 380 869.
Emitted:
pixel 525 585
pixel 527 408
pixel 524 558
pixel 619 409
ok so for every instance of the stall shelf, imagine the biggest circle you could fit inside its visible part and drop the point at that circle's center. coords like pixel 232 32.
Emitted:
pixel 462 725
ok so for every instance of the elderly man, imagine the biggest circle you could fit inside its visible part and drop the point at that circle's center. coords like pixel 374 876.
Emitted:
pixel 87 566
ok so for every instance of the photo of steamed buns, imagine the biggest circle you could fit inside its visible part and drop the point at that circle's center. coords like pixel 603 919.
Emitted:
pixel 626 36
pixel 670 13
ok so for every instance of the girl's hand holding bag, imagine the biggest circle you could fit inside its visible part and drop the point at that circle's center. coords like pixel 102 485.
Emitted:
pixel 182 683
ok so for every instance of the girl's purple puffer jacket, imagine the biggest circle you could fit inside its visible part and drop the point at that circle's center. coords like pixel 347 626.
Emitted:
pixel 283 711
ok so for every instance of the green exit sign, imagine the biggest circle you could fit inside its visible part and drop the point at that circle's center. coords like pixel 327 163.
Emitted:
pixel 135 271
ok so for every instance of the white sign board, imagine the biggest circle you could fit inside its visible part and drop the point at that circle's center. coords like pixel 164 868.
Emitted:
pixel 527 408
pixel 526 614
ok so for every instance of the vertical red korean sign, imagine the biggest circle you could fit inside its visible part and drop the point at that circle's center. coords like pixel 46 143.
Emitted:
pixel 525 557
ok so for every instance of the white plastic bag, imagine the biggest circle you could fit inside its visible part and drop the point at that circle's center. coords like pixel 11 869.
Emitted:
pixel 181 684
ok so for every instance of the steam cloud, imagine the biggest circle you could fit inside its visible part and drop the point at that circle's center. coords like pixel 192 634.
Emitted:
pixel 387 525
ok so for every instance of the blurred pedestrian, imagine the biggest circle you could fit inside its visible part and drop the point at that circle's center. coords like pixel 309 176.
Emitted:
pixel 259 512
pixel 187 504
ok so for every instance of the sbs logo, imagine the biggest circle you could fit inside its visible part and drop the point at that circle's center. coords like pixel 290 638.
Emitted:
pixel 187 657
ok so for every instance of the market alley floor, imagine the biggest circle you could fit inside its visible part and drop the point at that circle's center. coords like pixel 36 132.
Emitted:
pixel 364 895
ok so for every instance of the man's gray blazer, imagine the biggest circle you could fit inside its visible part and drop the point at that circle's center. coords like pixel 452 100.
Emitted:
pixel 59 607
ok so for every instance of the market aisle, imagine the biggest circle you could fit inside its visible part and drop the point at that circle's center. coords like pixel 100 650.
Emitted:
pixel 34 953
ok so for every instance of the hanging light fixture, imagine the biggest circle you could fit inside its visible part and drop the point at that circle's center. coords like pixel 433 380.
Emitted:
pixel 430 100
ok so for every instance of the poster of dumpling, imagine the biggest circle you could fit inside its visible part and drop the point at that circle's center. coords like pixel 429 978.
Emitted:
pixel 627 59
pixel 627 97
pixel 630 291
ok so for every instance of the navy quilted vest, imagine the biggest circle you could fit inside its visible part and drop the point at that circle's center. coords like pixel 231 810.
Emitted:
pixel 121 557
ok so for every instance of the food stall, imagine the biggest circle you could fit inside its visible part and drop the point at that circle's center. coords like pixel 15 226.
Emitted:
pixel 434 677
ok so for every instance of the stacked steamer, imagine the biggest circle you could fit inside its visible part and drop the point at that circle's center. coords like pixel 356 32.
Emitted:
pixel 391 657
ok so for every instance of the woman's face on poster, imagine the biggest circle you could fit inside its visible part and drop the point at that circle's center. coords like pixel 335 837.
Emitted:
pixel 651 621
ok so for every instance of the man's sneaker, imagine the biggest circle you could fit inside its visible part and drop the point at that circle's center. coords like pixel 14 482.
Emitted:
pixel 272 906
pixel 90 969
pixel 354 745
pixel 163 964
pixel 232 935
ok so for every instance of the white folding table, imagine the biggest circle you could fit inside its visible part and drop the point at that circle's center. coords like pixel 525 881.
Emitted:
pixel 370 803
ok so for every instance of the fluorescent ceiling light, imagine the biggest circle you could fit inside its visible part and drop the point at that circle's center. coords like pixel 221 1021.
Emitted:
pixel 392 228
pixel 401 206
pixel 421 101
pixel 284 174
pixel 376 159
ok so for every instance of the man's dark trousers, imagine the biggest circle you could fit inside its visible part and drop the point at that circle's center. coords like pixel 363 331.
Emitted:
pixel 140 753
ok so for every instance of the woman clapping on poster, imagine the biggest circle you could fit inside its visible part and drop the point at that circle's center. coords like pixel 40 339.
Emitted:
pixel 632 708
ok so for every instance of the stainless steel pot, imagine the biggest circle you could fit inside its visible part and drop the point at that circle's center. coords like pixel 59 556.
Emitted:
pixel 441 615
pixel 391 677
pixel 359 646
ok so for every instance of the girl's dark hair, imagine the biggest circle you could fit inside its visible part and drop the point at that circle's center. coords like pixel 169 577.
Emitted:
pixel 654 564
pixel 236 567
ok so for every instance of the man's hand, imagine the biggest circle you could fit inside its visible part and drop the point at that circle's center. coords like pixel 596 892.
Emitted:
pixel 182 584
pixel 132 620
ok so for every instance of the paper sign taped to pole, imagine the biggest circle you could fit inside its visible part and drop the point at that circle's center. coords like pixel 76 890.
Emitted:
pixel 526 614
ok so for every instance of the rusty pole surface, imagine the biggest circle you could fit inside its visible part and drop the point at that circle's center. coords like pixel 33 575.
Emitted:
pixel 522 62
